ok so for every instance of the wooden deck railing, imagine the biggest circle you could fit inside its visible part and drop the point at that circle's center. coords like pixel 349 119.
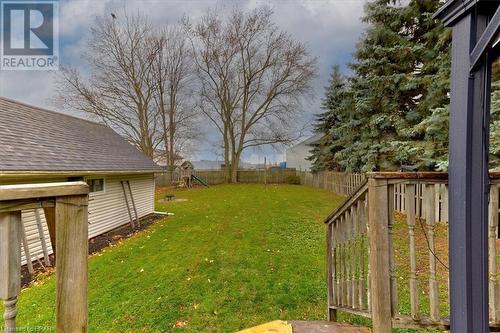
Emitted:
pixel 65 206
pixel 392 267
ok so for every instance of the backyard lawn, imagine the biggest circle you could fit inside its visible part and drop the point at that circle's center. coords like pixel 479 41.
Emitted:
pixel 233 256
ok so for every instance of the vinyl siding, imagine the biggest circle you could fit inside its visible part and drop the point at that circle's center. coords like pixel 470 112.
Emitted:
pixel 107 210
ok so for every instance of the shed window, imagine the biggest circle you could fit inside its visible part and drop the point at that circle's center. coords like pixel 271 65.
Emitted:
pixel 96 184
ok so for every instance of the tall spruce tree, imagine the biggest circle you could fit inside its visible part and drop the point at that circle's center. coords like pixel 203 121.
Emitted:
pixel 495 118
pixel 323 152
pixel 398 89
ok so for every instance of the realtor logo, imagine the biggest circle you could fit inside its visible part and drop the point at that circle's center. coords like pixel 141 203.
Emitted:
pixel 29 35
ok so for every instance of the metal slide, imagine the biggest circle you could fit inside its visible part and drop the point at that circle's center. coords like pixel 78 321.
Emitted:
pixel 199 180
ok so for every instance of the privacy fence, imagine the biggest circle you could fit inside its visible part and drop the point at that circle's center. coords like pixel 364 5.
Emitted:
pixel 343 183
pixel 215 177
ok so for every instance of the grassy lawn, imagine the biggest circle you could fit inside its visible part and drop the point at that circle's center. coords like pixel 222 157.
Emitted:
pixel 231 257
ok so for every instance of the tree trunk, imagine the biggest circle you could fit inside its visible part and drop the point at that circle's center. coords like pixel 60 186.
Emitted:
pixel 172 126
pixel 235 162
pixel 227 162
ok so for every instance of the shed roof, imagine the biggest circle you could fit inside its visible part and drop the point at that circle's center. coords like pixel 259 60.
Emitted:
pixel 33 139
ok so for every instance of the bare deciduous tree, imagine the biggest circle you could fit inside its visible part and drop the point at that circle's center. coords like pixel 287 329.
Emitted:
pixel 172 76
pixel 119 91
pixel 253 78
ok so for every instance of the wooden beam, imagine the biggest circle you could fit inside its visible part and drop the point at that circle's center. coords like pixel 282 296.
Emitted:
pixel 29 191
pixel 71 263
pixel 24 204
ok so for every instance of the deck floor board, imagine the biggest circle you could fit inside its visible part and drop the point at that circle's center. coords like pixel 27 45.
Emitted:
pixel 305 326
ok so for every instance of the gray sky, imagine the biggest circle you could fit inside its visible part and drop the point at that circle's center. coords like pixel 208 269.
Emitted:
pixel 330 28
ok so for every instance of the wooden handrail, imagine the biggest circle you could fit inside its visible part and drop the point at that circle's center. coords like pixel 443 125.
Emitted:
pixel 348 202
pixel 35 191
pixel 363 227
pixel 65 206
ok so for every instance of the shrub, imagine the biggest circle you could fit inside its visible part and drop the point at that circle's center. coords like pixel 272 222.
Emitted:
pixel 292 179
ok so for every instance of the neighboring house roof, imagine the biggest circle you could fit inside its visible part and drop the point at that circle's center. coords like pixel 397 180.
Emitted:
pixel 35 139
pixel 309 141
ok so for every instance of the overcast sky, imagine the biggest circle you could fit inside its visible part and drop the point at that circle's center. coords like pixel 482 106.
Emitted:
pixel 330 28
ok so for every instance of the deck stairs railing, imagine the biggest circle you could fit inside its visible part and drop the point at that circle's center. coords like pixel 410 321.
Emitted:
pixel 391 267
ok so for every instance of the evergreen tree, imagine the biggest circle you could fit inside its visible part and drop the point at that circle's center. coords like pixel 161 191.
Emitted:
pixel 398 90
pixel 323 152
pixel 495 118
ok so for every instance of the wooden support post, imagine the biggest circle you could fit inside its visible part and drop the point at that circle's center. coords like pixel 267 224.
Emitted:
pixel 379 263
pixel 10 266
pixel 71 263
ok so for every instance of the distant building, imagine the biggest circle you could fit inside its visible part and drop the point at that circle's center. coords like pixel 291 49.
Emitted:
pixel 218 165
pixel 296 156
pixel 206 165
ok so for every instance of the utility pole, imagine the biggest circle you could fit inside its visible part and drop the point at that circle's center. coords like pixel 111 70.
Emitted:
pixel 265 170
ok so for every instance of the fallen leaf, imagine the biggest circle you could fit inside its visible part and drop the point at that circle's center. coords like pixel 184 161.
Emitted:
pixel 180 324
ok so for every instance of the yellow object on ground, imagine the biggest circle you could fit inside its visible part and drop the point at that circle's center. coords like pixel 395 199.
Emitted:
pixel 277 326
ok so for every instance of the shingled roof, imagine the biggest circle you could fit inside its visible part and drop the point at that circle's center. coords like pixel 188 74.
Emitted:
pixel 34 139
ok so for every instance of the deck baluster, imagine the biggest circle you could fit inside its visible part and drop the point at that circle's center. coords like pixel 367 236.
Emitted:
pixel 392 263
pixel 430 219
pixel 363 302
pixel 354 255
pixel 10 266
pixel 492 251
pixel 410 220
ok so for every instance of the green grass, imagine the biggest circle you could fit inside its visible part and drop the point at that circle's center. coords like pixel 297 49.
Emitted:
pixel 231 257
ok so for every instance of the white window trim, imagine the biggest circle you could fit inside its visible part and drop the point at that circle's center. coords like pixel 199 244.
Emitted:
pixel 103 184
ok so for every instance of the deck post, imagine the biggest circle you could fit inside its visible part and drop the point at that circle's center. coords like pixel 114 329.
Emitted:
pixel 379 263
pixel 468 160
pixel 10 266
pixel 71 263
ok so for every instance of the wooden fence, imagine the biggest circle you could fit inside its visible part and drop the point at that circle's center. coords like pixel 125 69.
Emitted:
pixel 393 268
pixel 338 182
pixel 215 177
